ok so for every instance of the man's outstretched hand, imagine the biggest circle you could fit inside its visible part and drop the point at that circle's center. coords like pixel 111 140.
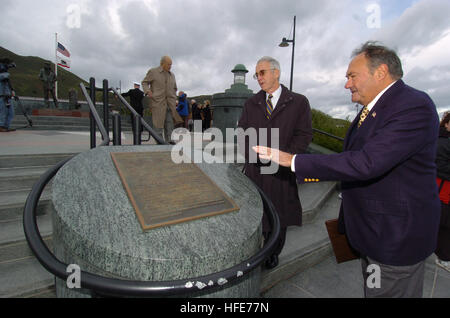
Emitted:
pixel 282 158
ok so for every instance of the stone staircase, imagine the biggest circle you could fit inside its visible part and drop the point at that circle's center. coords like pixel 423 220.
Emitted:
pixel 21 275
pixel 309 244
pixel 61 123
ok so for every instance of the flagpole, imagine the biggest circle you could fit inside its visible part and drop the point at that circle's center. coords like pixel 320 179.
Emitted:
pixel 56 65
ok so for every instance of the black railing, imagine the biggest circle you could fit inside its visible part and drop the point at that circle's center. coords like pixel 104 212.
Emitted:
pixel 139 118
pixel 121 287
pixel 95 118
pixel 328 134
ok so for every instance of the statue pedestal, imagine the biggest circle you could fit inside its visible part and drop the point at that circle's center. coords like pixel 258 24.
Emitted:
pixel 96 227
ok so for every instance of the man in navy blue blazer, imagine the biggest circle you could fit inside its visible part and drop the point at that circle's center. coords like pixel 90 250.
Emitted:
pixel 390 209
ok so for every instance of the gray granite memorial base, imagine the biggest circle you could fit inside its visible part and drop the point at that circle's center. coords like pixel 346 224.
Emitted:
pixel 96 228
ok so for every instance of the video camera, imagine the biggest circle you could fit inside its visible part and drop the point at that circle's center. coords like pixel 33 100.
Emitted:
pixel 6 64
pixel 5 88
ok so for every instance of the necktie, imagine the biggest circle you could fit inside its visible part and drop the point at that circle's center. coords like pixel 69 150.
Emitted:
pixel 363 116
pixel 269 106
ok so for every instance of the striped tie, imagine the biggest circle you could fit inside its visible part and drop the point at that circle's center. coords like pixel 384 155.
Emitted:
pixel 269 107
pixel 363 115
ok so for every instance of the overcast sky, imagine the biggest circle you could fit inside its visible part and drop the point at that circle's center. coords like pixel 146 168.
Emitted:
pixel 121 39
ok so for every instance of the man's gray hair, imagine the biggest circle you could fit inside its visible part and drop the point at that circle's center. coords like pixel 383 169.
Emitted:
pixel 164 59
pixel 378 54
pixel 273 62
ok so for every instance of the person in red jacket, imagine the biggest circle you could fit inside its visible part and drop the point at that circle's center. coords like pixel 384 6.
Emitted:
pixel 443 180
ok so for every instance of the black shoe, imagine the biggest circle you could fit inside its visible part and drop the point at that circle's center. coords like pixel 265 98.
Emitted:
pixel 271 262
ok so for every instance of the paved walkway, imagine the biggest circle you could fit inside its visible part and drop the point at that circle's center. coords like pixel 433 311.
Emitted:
pixel 331 280
pixel 326 279
pixel 23 141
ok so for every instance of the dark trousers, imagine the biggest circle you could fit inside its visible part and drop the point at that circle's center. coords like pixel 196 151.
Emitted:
pixel 206 124
pixel 443 245
pixel 185 120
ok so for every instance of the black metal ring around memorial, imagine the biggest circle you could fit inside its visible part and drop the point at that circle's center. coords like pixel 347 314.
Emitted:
pixel 132 288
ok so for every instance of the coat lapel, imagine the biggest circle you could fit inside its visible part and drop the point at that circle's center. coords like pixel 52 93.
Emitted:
pixel 351 132
pixel 261 102
pixel 283 101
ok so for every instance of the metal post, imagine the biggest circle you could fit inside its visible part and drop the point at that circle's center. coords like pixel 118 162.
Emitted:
pixel 117 130
pixel 105 106
pixel 292 61
pixel 92 119
pixel 137 130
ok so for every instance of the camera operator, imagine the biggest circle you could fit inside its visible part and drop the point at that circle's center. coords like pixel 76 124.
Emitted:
pixel 6 94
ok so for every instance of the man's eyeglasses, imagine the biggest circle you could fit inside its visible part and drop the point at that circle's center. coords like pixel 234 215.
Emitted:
pixel 261 73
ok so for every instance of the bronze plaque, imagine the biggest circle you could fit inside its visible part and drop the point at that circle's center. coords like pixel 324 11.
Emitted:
pixel 163 192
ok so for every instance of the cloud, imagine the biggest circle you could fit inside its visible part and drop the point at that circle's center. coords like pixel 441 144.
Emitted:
pixel 421 25
pixel 121 40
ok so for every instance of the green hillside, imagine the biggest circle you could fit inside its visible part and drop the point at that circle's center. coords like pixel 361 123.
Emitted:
pixel 334 126
pixel 25 77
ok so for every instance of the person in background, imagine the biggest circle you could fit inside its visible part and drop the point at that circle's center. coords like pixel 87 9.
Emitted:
pixel 136 97
pixel 443 180
pixel 196 111
pixel 206 115
pixel 160 86
pixel 6 95
pixel 183 108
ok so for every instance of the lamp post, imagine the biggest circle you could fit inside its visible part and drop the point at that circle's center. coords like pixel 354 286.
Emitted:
pixel 285 43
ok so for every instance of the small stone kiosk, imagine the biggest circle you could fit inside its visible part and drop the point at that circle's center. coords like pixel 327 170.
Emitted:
pixel 130 212
pixel 228 106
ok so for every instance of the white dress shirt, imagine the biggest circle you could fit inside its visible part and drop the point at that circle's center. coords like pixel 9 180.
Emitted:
pixel 275 97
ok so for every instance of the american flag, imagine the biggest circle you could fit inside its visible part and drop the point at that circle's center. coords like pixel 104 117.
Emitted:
pixel 61 49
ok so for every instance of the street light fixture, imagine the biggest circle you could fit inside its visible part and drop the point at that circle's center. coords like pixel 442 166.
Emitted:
pixel 285 43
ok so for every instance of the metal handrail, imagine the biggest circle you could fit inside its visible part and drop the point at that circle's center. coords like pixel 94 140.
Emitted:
pixel 121 287
pixel 98 121
pixel 152 132
pixel 328 134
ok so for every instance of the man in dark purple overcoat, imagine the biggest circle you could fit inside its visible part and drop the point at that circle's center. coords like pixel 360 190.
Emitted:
pixel 291 115
pixel 390 209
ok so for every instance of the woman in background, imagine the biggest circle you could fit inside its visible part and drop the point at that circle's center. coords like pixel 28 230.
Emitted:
pixel 206 115
pixel 443 181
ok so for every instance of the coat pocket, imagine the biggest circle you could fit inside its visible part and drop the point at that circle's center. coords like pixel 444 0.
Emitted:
pixel 393 208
